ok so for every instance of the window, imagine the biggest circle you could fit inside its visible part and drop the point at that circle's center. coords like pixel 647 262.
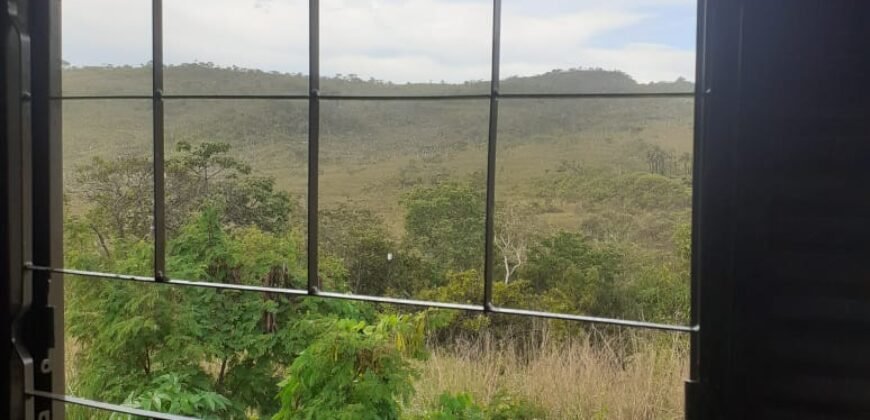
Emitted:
pixel 384 183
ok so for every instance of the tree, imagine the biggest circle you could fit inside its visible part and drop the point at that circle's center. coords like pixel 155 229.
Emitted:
pixel 120 194
pixel 467 287
pixel 235 344
pixel 446 223
pixel 355 370
pixel 177 394
pixel 205 163
pixel 567 262
pixel 514 228
pixel 206 175
pixel 359 238
pixel 376 265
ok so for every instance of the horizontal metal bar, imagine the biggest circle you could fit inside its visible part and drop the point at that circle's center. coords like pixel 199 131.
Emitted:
pixel 596 320
pixel 170 97
pixel 99 97
pixel 399 301
pixel 108 407
pixel 374 299
pixel 593 95
pixel 457 97
pixel 241 96
pixel 177 282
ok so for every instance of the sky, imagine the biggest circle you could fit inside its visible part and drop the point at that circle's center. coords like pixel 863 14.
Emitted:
pixel 395 40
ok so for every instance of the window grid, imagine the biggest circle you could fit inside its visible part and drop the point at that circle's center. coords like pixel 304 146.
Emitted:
pixel 314 97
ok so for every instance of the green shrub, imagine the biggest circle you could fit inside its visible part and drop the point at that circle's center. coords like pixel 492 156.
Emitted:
pixel 456 407
pixel 503 406
pixel 179 394
pixel 355 370
pixel 507 406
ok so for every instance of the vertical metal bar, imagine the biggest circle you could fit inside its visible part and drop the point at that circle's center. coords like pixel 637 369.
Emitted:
pixel 21 325
pixel 45 342
pixel 694 388
pixel 490 157
pixel 10 284
pixel 15 208
pixel 158 141
pixel 313 140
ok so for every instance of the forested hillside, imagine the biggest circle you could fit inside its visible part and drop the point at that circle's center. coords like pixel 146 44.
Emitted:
pixel 593 209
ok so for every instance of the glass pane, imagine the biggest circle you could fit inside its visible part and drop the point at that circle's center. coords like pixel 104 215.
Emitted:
pixel 236 47
pixel 236 177
pixel 402 198
pixel 106 47
pixel 586 46
pixel 405 47
pixel 593 204
pixel 108 185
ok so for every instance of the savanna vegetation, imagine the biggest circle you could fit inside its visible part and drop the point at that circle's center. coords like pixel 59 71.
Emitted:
pixel 593 211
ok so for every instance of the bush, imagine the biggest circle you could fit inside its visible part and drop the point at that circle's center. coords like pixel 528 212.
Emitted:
pixel 355 370
pixel 504 406
pixel 179 394
pixel 455 407
pixel 467 287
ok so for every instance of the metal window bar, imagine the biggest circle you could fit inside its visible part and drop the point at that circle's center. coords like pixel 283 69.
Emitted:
pixel 489 224
pixel 314 97
pixel 158 141
pixel 115 408
pixel 368 298
pixel 451 97
pixel 313 142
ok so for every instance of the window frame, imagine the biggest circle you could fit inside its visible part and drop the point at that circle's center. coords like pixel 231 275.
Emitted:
pixel 40 195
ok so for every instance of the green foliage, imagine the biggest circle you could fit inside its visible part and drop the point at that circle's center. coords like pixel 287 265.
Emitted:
pixel 634 191
pixel 594 237
pixel 374 264
pixel 507 406
pixel 120 191
pixel 174 394
pixel 127 333
pixel 233 343
pixel 205 175
pixel 570 263
pixel 467 287
pixel 503 406
pixel 207 161
pixel 354 371
pixel 661 288
pixel 445 223
pixel 254 201
pixel 460 406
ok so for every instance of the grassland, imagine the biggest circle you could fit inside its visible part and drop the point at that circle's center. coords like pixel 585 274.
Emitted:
pixel 371 152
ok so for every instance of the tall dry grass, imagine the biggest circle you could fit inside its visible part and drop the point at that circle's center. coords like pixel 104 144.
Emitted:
pixel 633 376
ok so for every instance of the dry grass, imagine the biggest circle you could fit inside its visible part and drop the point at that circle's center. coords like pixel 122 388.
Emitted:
pixel 571 380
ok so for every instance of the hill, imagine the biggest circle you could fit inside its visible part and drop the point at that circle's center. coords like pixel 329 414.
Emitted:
pixel 373 152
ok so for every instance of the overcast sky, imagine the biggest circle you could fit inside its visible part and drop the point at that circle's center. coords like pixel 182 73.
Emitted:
pixel 397 40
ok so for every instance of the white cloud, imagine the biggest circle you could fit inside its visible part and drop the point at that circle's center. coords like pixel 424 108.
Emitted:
pixel 106 31
pixel 398 40
pixel 645 62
